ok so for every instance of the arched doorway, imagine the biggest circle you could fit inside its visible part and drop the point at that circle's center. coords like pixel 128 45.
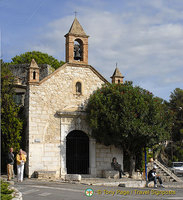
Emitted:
pixel 77 153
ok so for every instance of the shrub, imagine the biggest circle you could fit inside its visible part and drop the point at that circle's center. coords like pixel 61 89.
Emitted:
pixel 5 191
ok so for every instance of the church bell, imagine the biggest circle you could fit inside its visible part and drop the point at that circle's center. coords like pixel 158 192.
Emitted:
pixel 77 52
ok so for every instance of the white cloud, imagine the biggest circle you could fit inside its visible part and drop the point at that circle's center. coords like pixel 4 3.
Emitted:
pixel 146 47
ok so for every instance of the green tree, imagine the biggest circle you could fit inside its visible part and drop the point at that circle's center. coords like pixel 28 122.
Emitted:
pixel 128 117
pixel 174 150
pixel 11 125
pixel 40 58
pixel 176 105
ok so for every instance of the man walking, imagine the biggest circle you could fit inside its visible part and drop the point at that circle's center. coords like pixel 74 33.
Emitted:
pixel 10 163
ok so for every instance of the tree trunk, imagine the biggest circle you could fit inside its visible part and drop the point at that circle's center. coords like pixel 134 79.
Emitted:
pixel 132 165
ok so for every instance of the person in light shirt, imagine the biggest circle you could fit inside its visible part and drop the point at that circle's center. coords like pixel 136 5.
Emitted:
pixel 21 159
pixel 152 176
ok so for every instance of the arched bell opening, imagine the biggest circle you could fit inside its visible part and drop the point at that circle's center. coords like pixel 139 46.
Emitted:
pixel 34 75
pixel 78 50
pixel 77 153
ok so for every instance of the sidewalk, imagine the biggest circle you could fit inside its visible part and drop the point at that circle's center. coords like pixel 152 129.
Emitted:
pixel 123 182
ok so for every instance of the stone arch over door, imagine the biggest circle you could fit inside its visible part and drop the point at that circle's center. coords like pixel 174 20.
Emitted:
pixel 77 152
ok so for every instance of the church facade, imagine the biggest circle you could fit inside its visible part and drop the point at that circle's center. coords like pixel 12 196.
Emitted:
pixel 58 136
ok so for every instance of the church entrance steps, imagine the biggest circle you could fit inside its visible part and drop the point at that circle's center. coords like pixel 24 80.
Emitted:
pixel 73 177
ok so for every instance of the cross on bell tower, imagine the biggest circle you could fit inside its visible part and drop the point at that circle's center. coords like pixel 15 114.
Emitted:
pixel 75 12
pixel 76 44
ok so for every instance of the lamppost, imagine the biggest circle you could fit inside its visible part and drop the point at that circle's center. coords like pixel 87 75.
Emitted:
pixel 145 162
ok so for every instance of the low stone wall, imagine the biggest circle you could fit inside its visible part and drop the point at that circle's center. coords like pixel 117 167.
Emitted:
pixel 110 174
pixel 46 175
pixel 73 177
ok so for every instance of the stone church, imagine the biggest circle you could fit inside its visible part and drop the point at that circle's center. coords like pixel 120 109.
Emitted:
pixel 58 136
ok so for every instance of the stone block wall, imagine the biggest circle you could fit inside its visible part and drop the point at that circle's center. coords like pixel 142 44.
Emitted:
pixel 21 71
pixel 104 155
pixel 55 93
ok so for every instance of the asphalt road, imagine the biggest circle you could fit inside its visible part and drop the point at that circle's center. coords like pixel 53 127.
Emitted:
pixel 37 190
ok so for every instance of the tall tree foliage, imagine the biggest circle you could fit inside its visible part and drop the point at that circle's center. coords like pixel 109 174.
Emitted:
pixel 176 105
pixel 39 57
pixel 128 117
pixel 11 125
pixel 174 150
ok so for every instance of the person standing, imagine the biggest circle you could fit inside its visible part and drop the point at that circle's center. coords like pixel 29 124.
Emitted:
pixel 21 159
pixel 10 164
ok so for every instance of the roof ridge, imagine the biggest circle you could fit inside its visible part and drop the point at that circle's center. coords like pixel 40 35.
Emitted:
pixel 72 64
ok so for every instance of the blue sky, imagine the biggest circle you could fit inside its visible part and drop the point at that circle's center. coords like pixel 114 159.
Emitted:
pixel 145 37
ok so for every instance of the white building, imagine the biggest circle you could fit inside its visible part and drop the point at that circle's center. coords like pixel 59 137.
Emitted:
pixel 58 137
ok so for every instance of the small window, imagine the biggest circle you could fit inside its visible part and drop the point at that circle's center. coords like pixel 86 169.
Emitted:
pixel 118 81
pixel 34 75
pixel 78 88
pixel 17 99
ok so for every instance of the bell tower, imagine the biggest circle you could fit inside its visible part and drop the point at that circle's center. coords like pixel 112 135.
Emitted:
pixel 117 76
pixel 33 74
pixel 76 45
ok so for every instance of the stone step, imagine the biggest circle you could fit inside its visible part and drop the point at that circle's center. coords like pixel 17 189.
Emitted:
pixel 166 173
pixel 45 175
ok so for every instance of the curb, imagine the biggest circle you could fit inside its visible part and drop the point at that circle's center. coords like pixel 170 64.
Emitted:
pixel 124 183
pixel 129 184
pixel 16 194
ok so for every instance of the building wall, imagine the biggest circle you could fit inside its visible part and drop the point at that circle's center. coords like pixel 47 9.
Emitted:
pixel 70 122
pixel 100 156
pixel 21 71
pixel 52 105
pixel 104 155
pixel 54 94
